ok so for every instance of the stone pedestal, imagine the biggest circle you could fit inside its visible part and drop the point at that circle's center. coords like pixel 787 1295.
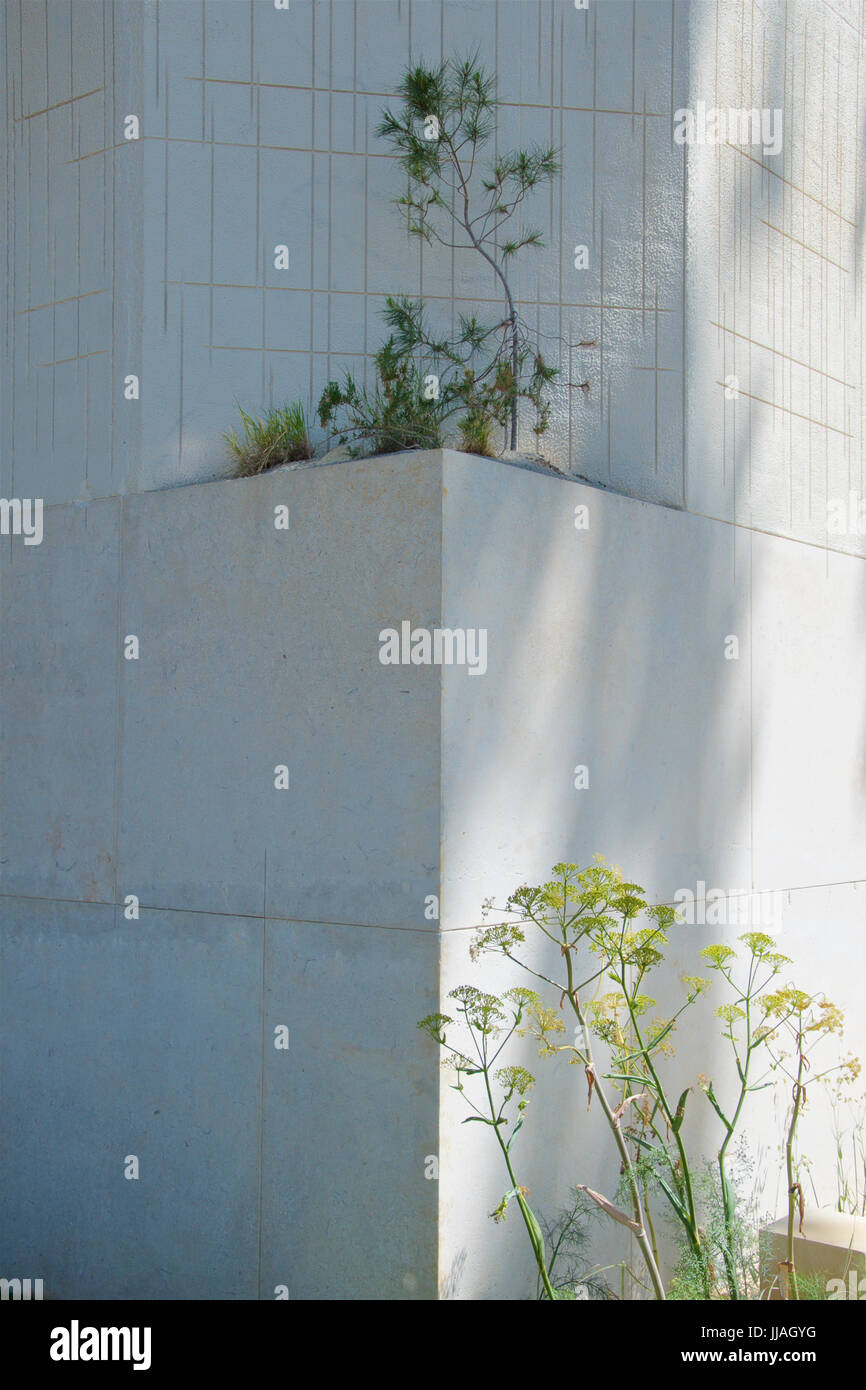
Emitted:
pixel 223 858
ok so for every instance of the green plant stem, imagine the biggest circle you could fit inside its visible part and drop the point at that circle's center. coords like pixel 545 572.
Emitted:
pixel 728 1199
pixel 744 998
pixel 728 1209
pixel 691 1224
pixel 799 1093
pixel 491 260
pixel 627 1165
pixel 528 1219
pixel 650 1226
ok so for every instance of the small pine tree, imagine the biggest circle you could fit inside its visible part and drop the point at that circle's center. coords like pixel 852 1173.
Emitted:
pixel 447 116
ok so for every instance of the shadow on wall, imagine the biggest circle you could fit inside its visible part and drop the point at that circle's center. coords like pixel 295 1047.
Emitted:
pixel 616 656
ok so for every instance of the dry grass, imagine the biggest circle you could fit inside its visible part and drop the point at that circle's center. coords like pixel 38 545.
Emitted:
pixel 279 436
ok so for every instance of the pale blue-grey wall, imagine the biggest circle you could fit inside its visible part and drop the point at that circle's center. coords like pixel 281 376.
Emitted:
pixel 156 256
pixel 153 1035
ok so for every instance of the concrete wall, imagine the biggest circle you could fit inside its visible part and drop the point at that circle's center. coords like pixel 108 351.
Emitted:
pixel 155 777
pixel 154 1036
pixel 606 649
pixel 724 292
pixel 773 272
pixel 706 262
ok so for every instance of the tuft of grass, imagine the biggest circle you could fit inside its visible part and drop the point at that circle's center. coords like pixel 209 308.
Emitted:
pixel 279 436
pixel 476 434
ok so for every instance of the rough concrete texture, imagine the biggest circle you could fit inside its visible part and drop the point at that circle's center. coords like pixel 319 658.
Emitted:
pixel 309 907
pixel 724 294
pixel 259 907
pixel 606 649
pixel 722 288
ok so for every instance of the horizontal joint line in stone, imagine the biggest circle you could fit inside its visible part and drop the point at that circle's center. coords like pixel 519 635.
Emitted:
pixel 218 912
pixel 52 303
pixel 99 352
pixel 766 347
pixel 352 92
pixel 91 154
pixel 57 105
pixel 796 187
pixel 774 405
pixel 805 246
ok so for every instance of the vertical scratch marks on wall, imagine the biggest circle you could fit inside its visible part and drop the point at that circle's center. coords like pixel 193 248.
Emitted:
pixel 110 167
pixel 684 483
pixel 718 158
pixel 823 283
pixel 252 55
pixel 656 382
pixel 312 222
pixel 212 190
pixel 594 104
pixel 7 398
pixel 633 62
pixel 562 253
pixel 609 427
pixel 788 288
pixel 204 78
pixel 643 213
pixel 261 258
pixel 724 346
pixel 180 378
pixel 355 88
pixel 366 230
pixel 751 610
pixel 751 246
pixel 261 1108
pixel 496 62
pixel 601 381
pixel 857 214
pixel 166 155
pixel 119 704
pixel 50 249
pixel 331 173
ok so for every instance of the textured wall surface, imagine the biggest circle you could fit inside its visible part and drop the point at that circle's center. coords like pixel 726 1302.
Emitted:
pixel 774 272
pixel 724 295
pixel 706 261
pixel 606 650
pixel 153 1035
